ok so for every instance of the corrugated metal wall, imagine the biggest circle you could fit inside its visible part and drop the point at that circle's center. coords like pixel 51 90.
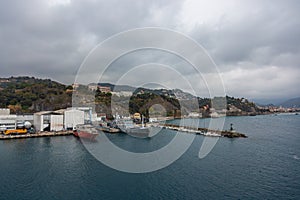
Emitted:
pixel 56 122
pixel 73 118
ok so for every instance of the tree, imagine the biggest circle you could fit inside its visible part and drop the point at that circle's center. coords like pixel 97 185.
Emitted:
pixel 15 108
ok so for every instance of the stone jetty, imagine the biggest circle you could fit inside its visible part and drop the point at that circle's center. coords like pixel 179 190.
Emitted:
pixel 205 131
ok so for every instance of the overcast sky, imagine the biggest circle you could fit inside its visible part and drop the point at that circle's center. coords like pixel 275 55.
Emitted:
pixel 255 44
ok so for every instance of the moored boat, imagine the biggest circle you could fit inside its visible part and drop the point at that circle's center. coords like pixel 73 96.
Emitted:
pixel 86 131
pixel 127 126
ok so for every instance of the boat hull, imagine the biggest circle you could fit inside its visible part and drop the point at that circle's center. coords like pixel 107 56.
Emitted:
pixel 85 135
pixel 138 132
pixel 142 132
pixel 128 127
pixel 86 132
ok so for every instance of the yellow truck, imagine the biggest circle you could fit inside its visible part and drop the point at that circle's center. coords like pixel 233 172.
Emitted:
pixel 15 131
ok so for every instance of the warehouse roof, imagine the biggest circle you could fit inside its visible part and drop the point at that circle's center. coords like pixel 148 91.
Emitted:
pixel 48 113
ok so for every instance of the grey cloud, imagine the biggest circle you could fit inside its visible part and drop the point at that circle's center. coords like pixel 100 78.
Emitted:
pixel 269 26
pixel 52 41
pixel 40 40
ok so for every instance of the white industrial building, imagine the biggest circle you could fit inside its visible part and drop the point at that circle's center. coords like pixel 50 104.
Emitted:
pixel 48 120
pixel 4 111
pixel 8 122
pixel 24 118
pixel 73 117
pixel 63 119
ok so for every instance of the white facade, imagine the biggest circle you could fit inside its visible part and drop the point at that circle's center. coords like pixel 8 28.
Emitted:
pixel 56 122
pixel 195 115
pixel 153 119
pixel 88 114
pixel 38 122
pixel 8 122
pixel 4 111
pixel 62 119
pixel 93 87
pixel 43 119
pixel 72 118
pixel 123 93
pixel 23 118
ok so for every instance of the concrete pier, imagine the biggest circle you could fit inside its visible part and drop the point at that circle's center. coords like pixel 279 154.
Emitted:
pixel 34 135
pixel 187 129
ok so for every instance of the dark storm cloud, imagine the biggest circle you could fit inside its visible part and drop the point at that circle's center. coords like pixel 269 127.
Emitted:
pixel 51 39
pixel 246 39
pixel 255 44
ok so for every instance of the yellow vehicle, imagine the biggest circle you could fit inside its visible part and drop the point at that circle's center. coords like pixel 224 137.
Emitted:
pixel 136 116
pixel 15 131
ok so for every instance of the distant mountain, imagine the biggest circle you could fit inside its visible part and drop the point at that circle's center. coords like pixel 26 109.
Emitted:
pixel 117 88
pixel 291 103
pixel 268 101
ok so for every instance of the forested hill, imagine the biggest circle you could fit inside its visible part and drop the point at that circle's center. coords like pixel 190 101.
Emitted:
pixel 29 94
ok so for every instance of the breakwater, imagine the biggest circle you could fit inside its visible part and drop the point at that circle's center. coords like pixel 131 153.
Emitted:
pixel 205 131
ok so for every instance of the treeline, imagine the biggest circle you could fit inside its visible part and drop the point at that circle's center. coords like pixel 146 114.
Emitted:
pixel 29 94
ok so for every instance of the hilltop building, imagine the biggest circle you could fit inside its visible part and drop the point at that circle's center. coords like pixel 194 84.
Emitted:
pixel 93 87
pixel 104 89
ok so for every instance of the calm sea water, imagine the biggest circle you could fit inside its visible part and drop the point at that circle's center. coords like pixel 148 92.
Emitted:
pixel 265 165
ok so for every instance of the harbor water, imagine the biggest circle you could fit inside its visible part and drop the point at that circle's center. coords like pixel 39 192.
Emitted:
pixel 264 165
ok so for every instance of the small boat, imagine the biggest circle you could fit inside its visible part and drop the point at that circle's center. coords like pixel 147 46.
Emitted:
pixel 86 131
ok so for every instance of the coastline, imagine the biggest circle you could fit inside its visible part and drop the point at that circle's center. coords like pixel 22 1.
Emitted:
pixel 198 130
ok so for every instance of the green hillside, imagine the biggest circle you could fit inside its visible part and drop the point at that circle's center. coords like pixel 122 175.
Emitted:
pixel 29 95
